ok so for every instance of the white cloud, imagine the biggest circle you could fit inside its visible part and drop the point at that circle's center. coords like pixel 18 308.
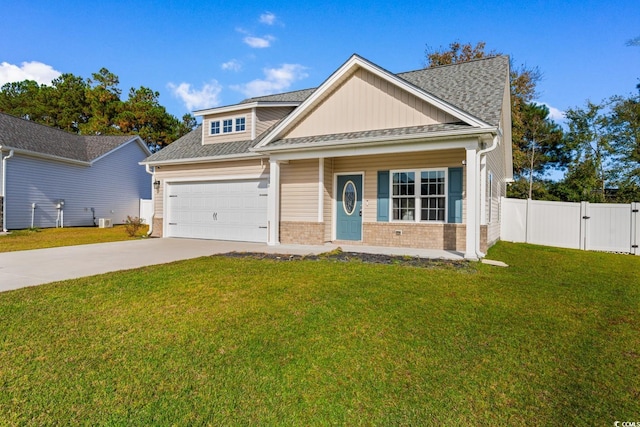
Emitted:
pixel 276 80
pixel 41 73
pixel 194 99
pixel 555 114
pixel 232 65
pixel 259 42
pixel 268 18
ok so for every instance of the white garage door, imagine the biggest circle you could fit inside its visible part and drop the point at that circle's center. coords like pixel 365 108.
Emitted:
pixel 224 210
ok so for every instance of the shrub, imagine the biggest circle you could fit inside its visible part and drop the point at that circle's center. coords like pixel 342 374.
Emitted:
pixel 132 225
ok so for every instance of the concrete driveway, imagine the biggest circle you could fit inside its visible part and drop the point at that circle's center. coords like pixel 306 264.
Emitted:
pixel 39 266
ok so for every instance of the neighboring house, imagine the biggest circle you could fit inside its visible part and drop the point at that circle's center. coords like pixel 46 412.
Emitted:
pixel 417 159
pixel 54 178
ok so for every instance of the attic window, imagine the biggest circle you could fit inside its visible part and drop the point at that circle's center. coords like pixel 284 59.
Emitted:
pixel 228 125
pixel 215 127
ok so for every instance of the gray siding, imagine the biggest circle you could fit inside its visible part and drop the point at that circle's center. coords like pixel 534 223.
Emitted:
pixel 113 186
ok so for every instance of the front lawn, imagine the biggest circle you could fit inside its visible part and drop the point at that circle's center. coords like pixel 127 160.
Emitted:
pixel 22 240
pixel 552 340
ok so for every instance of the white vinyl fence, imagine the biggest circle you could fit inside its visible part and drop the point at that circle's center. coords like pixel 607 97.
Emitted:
pixel 588 226
pixel 146 210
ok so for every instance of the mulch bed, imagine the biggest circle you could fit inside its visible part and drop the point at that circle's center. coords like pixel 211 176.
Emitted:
pixel 339 256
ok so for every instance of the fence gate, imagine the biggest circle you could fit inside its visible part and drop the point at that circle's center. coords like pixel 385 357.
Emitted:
pixel 588 226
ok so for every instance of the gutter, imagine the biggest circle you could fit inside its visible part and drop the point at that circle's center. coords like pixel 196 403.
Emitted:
pixel 4 189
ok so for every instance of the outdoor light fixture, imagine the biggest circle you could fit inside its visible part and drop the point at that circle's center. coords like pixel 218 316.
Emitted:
pixel 156 185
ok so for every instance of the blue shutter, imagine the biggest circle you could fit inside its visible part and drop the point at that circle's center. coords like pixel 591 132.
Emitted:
pixel 383 196
pixel 455 195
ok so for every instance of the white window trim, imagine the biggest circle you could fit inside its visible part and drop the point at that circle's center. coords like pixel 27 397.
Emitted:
pixel 234 122
pixel 418 197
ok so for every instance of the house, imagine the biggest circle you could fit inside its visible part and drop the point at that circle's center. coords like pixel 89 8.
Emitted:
pixel 417 159
pixel 54 178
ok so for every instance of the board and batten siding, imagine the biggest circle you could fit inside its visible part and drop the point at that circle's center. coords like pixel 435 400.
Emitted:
pixel 364 102
pixel 227 137
pixel 246 169
pixel 112 186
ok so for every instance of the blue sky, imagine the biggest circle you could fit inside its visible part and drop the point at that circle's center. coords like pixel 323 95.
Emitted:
pixel 205 54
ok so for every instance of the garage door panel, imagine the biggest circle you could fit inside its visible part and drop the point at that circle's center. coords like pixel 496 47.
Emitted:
pixel 225 210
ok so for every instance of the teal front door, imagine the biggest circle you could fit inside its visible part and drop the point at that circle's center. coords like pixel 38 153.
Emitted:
pixel 349 207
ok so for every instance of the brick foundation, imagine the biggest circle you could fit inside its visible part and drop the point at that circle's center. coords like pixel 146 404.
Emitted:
pixel 302 233
pixel 450 237
pixel 1 210
pixel 157 227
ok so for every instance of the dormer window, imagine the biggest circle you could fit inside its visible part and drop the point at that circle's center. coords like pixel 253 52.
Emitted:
pixel 231 125
pixel 240 124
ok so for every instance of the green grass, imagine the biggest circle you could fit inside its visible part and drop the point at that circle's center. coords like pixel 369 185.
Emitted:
pixel 22 240
pixel 552 340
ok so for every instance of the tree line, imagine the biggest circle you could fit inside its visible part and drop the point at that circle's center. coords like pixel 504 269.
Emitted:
pixel 598 152
pixel 93 106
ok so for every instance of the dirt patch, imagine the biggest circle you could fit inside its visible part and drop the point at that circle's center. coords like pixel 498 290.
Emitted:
pixel 339 256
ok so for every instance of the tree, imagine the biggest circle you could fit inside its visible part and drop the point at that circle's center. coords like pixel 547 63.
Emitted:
pixel 532 128
pixel 93 107
pixel 542 142
pixel 592 154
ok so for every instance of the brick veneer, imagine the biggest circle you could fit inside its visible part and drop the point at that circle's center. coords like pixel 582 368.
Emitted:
pixel 302 233
pixel 427 236
pixel 157 227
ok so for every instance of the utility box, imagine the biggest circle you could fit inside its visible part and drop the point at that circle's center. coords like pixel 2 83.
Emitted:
pixel 104 223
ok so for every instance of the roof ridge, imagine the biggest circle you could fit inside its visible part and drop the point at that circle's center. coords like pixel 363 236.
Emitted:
pixel 486 58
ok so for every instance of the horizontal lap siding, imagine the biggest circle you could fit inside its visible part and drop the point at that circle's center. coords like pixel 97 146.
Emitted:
pixel 267 117
pixel 113 186
pixel 299 190
pixel 234 136
pixel 366 102
pixel 205 171
pixel 372 164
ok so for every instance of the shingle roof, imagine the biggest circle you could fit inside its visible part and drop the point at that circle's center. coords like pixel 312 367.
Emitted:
pixel 295 96
pixel 381 133
pixel 190 147
pixel 476 86
pixel 25 135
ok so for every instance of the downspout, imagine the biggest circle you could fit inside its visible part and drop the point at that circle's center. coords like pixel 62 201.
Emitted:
pixel 479 155
pixel 153 198
pixel 4 189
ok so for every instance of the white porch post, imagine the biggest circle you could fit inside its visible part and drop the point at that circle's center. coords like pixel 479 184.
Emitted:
pixel 273 207
pixel 472 208
pixel 321 189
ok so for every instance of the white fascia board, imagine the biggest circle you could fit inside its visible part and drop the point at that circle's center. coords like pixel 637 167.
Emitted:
pixel 47 156
pixel 215 159
pixel 247 106
pixel 354 61
pixel 373 148
pixel 136 138
pixel 373 140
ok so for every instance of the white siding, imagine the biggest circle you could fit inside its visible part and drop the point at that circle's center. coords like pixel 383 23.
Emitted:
pixel 113 186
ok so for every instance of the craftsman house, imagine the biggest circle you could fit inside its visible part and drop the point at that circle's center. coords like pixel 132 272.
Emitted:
pixel 417 159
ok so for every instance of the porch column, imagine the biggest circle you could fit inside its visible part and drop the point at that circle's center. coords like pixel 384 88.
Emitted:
pixel 472 203
pixel 321 189
pixel 273 206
